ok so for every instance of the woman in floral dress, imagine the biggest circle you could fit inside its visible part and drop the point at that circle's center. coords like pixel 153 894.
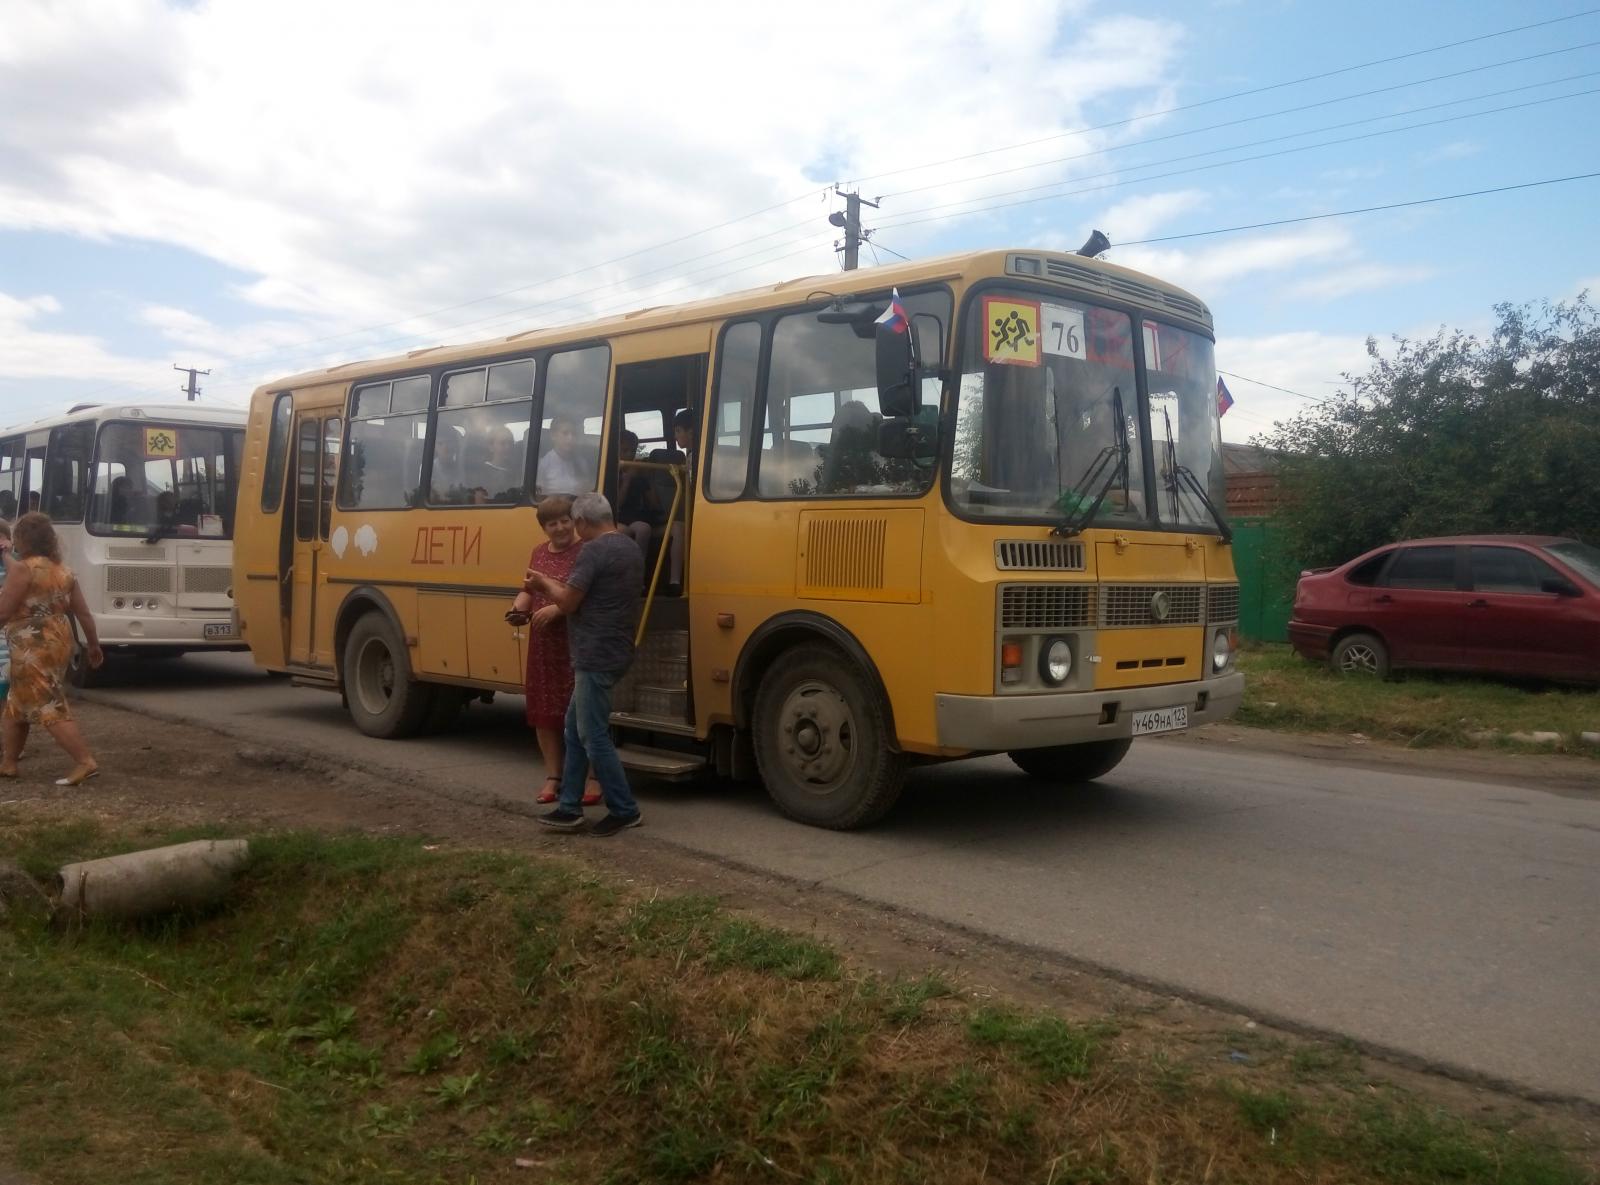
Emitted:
pixel 37 603
pixel 547 682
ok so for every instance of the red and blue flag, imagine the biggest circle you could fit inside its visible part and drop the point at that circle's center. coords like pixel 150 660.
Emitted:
pixel 895 316
pixel 1224 397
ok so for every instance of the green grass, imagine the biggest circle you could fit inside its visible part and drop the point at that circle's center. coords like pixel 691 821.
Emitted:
pixel 364 1010
pixel 1286 692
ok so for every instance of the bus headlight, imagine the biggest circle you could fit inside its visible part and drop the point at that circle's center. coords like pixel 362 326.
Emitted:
pixel 1221 651
pixel 1055 661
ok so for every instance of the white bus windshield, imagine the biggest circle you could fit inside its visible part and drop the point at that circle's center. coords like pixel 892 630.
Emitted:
pixel 155 480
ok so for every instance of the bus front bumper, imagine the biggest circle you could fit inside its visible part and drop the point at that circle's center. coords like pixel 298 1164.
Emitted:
pixel 121 630
pixel 996 722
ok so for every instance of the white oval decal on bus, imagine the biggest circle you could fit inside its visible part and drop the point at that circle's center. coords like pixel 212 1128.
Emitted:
pixel 366 539
pixel 340 540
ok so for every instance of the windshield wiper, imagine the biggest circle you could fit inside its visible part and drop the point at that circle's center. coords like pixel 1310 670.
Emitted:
pixel 1113 457
pixel 1181 476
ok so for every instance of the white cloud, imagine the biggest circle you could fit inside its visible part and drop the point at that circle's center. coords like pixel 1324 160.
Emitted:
pixel 1307 362
pixel 30 351
pixel 1210 268
pixel 1360 277
pixel 1140 217
pixel 381 158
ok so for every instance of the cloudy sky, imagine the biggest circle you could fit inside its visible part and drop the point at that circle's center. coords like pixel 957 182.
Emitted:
pixel 257 188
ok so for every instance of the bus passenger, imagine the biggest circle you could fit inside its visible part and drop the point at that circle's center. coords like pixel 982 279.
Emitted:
pixel 561 470
pixel 447 484
pixel 547 681
pixel 638 508
pixel 497 477
pixel 37 604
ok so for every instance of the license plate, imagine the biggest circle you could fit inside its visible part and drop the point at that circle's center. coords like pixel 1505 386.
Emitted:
pixel 1156 720
pixel 218 629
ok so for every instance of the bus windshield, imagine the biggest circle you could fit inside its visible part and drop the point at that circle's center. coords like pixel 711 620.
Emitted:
pixel 1049 424
pixel 155 480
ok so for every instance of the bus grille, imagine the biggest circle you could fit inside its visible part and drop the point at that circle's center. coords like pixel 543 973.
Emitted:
pixel 146 578
pixel 207 579
pixel 1124 605
pixel 845 553
pixel 1045 606
pixel 1038 555
pixel 1222 603
pixel 143 552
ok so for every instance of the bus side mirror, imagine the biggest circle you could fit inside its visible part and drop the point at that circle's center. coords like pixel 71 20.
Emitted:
pixel 898 393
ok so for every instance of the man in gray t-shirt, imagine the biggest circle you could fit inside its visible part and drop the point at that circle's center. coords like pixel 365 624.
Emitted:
pixel 600 599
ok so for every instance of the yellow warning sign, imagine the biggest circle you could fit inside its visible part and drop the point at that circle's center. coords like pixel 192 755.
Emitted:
pixel 160 442
pixel 1013 331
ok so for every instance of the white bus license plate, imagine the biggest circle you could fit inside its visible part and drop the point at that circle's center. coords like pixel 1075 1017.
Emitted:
pixel 1160 720
pixel 217 629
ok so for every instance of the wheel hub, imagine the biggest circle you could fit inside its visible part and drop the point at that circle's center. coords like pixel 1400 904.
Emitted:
pixel 818 735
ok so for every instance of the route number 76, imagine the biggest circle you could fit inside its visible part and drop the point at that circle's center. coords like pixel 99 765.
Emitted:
pixel 1063 331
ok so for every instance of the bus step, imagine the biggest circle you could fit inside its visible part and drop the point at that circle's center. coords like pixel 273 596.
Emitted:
pixel 660 763
pixel 320 684
pixel 672 703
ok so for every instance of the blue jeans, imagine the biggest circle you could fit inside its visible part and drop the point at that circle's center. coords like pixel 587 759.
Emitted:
pixel 588 746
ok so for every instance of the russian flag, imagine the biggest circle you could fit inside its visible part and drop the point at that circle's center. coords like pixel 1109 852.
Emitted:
pixel 1224 398
pixel 895 316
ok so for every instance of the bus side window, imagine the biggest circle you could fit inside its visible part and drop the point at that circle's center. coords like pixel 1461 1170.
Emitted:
pixel 67 471
pixel 11 465
pixel 277 460
pixel 388 428
pixel 569 435
pixel 480 444
pixel 733 410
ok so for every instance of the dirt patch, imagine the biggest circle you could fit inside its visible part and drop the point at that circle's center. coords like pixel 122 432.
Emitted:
pixel 184 775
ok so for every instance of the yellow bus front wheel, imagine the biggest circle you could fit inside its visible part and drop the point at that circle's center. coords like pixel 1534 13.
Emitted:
pixel 822 741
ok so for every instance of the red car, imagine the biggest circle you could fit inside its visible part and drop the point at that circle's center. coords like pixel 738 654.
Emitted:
pixel 1509 604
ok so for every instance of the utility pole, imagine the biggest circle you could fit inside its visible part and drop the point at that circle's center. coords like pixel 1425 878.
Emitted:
pixel 850 220
pixel 194 391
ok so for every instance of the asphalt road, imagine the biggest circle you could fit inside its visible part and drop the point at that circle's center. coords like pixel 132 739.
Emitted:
pixel 1453 921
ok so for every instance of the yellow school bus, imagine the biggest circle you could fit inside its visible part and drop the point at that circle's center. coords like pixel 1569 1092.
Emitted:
pixel 951 507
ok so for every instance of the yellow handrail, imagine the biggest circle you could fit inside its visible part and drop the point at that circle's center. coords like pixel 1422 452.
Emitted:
pixel 676 473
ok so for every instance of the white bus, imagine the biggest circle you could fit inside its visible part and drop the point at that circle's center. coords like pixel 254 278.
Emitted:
pixel 142 497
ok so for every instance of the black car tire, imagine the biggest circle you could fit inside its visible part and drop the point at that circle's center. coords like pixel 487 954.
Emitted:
pixel 1360 655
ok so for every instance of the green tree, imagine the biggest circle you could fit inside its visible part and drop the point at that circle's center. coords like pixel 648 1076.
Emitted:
pixel 1453 435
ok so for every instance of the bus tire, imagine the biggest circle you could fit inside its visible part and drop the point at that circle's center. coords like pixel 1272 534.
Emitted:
pixel 384 700
pixel 822 741
pixel 1071 763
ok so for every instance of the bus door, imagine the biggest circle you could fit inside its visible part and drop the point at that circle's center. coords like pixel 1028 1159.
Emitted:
pixel 316 457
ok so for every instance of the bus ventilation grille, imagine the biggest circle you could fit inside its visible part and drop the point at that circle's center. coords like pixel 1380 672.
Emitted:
pixel 1045 606
pixel 845 552
pixel 1222 604
pixel 1038 555
pixel 207 579
pixel 125 578
pixel 1123 605
pixel 141 553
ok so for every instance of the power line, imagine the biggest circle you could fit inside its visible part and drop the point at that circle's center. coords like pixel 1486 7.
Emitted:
pixel 1244 378
pixel 983 208
pixel 1286 111
pixel 1234 95
pixel 1447 197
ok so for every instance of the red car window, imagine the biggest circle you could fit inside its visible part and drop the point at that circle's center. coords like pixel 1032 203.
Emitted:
pixel 1507 570
pixel 1423 567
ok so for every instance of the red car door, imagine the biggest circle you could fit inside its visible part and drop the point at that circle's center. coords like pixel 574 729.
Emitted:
pixel 1520 628
pixel 1420 606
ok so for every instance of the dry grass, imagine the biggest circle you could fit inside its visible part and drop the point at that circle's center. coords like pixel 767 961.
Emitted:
pixel 366 1010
